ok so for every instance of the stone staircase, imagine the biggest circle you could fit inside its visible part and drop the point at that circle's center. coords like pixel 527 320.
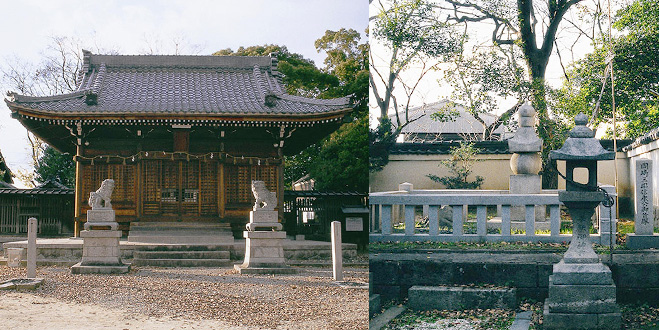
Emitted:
pixel 182 256
pixel 197 233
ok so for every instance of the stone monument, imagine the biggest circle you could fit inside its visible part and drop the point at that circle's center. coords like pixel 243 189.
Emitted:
pixel 643 236
pixel 582 294
pixel 525 163
pixel 100 248
pixel 264 250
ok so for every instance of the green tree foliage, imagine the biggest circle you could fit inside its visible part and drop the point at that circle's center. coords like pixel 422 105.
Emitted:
pixel 460 165
pixel 480 80
pixel 56 166
pixel 345 73
pixel 5 173
pixel 345 159
pixel 636 72
pixel 301 76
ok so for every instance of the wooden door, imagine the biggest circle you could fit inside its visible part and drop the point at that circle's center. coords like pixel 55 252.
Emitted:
pixel 180 189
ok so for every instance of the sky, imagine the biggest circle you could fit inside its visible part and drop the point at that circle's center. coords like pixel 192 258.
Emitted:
pixel 133 27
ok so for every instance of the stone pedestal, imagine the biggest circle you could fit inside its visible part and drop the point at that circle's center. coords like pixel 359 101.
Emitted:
pixel 100 219
pixel 581 296
pixel 264 251
pixel 100 253
pixel 264 220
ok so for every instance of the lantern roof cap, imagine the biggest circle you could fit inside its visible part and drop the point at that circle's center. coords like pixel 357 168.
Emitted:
pixel 581 144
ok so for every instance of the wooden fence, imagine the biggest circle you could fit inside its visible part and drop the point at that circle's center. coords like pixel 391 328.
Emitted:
pixel 53 209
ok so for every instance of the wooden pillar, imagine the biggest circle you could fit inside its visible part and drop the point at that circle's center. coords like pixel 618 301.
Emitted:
pixel 138 189
pixel 221 191
pixel 78 191
pixel 280 185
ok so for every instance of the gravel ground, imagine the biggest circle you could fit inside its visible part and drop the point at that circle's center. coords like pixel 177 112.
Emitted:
pixel 309 300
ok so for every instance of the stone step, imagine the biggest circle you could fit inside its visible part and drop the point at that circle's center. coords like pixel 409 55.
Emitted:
pixel 181 255
pixel 182 262
pixel 183 247
pixel 180 233
pixel 167 225
pixel 180 239
pixel 459 298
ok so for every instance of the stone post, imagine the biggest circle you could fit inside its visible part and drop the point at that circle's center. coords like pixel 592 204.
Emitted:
pixel 608 221
pixel 643 236
pixel 264 249
pixel 525 163
pixel 337 251
pixel 32 248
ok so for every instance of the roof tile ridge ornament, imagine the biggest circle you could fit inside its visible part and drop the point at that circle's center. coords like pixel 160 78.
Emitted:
pixel 256 71
pixel 274 67
pixel 91 94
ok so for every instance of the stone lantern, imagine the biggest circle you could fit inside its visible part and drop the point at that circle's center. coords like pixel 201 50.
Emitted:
pixel 582 294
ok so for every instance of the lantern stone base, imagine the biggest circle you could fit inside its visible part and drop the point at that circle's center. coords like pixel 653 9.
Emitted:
pixel 639 242
pixel 264 253
pixel 100 253
pixel 581 296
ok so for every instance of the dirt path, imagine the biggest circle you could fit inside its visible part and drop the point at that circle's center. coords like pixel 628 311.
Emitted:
pixel 185 298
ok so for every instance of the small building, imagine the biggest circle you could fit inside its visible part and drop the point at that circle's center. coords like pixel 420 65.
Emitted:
pixel 182 136
pixel 459 125
pixel 51 203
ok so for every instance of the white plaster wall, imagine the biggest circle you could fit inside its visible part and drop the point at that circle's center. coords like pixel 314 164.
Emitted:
pixel 494 168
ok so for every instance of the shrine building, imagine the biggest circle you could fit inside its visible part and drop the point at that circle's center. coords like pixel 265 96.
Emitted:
pixel 182 136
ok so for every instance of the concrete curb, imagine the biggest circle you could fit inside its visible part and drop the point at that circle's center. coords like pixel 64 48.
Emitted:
pixel 522 321
pixel 383 319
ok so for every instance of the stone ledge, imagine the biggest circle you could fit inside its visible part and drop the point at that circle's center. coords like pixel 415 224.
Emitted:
pixel 117 269
pixel 264 270
pixel 640 242
pixel 21 284
pixel 457 298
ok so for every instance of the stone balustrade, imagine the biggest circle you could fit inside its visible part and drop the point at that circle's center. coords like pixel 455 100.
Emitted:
pixel 395 213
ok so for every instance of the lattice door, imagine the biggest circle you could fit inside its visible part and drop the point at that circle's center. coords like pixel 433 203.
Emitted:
pixel 170 188
pixel 151 187
pixel 239 178
pixel 208 177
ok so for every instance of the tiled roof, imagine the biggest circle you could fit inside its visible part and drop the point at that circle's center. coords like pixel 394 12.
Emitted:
pixel 178 85
pixel 463 123
pixel 484 147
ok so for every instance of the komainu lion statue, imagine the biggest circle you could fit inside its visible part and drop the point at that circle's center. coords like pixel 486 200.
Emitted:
pixel 265 200
pixel 101 198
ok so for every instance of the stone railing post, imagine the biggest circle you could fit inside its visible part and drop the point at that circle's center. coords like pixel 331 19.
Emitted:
pixel 608 219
